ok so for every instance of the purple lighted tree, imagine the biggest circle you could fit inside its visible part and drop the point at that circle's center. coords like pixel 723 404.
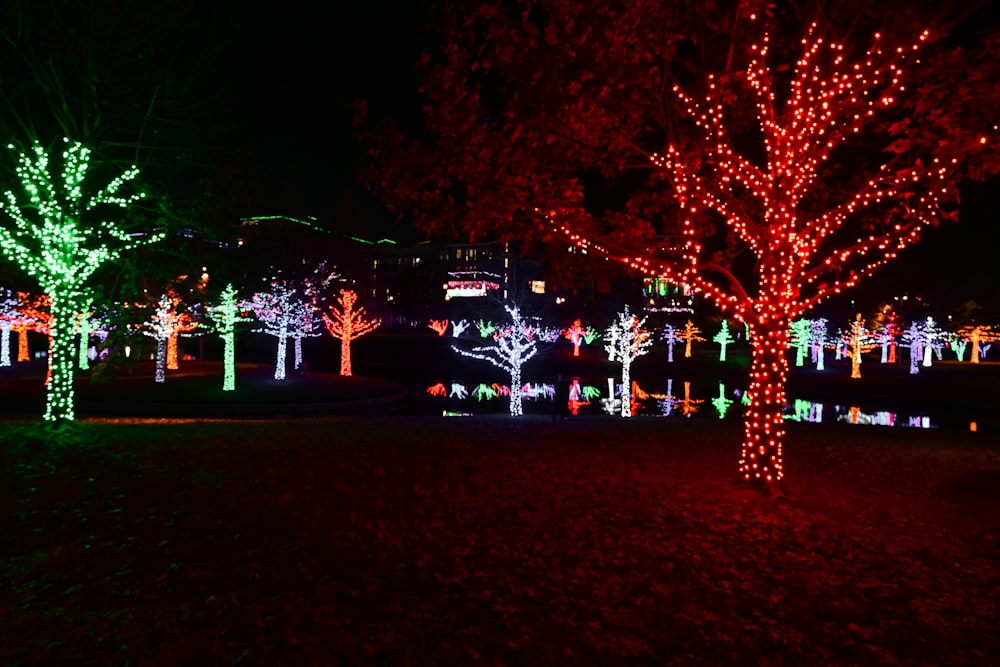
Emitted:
pixel 672 336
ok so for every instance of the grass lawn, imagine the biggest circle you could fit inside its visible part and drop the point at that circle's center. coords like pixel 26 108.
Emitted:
pixel 420 540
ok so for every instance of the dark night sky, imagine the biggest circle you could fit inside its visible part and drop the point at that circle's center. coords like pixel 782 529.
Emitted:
pixel 298 70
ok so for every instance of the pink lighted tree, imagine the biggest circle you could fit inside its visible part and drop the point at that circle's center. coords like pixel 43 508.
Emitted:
pixel 348 323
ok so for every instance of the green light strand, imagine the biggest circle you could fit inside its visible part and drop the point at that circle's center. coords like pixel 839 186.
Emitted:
pixel 50 242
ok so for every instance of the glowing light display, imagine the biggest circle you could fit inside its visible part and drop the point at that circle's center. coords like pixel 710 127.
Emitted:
pixel 161 328
pixel 800 260
pixel 439 326
pixel 913 338
pixel 484 390
pixel 818 336
pixel 690 335
pixel 225 315
pixel 723 338
pixel 485 328
pixel 626 340
pixel 980 336
pixel 689 405
pixel 348 323
pixel 8 315
pixel 34 314
pixel 886 336
pixel 672 336
pixel 721 403
pixel 801 338
pixel 577 334
pixel 860 341
pixel 456 289
pixel 437 390
pixel 514 344
pixel 56 240
pixel 457 328
pixel 668 402
pixel 279 310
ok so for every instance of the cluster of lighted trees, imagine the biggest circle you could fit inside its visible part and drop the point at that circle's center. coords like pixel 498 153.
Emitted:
pixel 923 338
pixel 516 341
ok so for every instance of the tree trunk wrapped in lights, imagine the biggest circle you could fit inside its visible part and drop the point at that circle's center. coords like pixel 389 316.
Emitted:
pixel 225 315
pixel 58 239
pixel 788 177
pixel 279 310
pixel 347 324
pixel 515 342
pixel 771 210
pixel 625 341
pixel 8 315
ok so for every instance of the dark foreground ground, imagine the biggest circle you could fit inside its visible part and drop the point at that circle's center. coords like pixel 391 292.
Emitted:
pixel 418 540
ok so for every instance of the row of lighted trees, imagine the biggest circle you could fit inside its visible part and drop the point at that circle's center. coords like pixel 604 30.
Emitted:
pixel 516 340
pixel 279 311
pixel 61 230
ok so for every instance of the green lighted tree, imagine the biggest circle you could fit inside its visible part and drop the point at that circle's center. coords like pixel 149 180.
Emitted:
pixel 225 315
pixel 59 238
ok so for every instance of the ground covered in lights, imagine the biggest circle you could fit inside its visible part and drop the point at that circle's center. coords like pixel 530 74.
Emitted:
pixel 421 540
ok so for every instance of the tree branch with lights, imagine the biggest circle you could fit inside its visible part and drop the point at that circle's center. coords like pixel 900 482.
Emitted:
pixel 59 237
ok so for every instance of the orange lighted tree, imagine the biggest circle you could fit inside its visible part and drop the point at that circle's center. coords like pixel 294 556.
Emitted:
pixel 347 323
pixel 34 314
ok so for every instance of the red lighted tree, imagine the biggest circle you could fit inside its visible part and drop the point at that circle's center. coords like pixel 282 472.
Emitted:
pixel 790 175
pixel 347 323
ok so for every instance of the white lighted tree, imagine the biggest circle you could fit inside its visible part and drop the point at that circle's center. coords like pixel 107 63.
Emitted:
pixel 60 237
pixel 347 322
pixel 277 310
pixel 8 315
pixel 625 341
pixel 514 343
pixel 162 326
pixel 818 336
